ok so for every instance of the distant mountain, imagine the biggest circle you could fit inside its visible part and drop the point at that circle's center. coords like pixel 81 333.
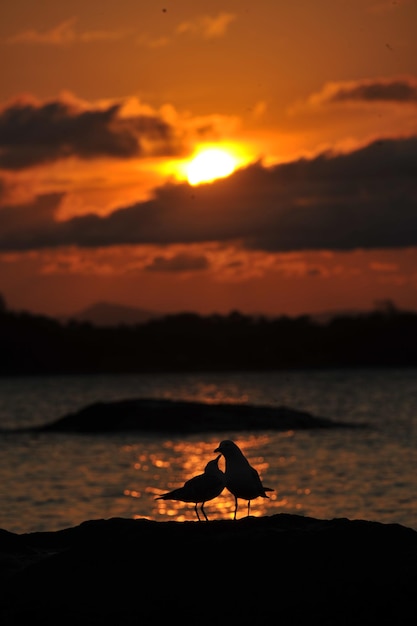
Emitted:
pixel 110 314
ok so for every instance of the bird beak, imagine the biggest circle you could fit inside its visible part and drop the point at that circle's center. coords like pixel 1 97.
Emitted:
pixel 217 450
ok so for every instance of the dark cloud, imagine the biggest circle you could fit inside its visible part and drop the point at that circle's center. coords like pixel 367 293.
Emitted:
pixel 399 90
pixel 181 262
pixel 24 225
pixel 32 135
pixel 364 199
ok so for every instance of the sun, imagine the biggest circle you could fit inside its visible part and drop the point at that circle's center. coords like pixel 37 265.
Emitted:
pixel 210 164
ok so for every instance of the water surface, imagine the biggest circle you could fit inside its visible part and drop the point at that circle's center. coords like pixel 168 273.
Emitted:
pixel 53 481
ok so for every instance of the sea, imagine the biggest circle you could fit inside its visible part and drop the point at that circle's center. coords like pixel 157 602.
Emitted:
pixel 52 481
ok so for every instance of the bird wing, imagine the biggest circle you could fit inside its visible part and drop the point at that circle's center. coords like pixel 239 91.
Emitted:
pixel 205 487
pixel 245 482
pixel 175 494
pixel 262 489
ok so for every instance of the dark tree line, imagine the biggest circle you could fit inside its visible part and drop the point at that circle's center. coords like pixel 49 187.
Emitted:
pixel 34 344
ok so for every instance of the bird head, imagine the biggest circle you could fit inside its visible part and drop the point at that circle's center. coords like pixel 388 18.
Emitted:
pixel 226 446
pixel 213 463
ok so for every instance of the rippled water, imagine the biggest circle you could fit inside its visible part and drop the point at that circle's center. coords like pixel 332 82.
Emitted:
pixel 53 481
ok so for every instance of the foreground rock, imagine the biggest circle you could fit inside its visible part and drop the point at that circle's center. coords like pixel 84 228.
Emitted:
pixel 282 569
pixel 161 415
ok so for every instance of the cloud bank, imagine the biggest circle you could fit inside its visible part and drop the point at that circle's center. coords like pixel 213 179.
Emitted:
pixel 32 134
pixel 364 199
pixel 389 90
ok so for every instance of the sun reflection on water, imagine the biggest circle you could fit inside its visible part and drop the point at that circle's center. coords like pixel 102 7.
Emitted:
pixel 311 473
pixel 169 463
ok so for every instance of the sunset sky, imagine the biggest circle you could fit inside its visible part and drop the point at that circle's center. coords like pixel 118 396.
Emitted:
pixel 312 202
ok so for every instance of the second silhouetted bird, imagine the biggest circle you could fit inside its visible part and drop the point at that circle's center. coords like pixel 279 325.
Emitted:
pixel 242 480
pixel 201 488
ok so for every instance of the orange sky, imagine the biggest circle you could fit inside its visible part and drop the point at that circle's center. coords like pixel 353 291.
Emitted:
pixel 102 106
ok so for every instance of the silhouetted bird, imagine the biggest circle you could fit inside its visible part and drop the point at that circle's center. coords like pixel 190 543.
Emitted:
pixel 242 480
pixel 201 488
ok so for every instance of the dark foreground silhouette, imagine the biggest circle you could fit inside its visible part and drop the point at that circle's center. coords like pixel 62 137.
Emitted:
pixel 282 569
pixel 179 416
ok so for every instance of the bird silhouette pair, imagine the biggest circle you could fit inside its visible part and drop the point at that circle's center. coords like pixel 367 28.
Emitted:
pixel 239 477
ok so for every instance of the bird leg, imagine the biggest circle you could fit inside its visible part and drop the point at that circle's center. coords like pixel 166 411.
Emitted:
pixel 204 513
pixel 236 505
pixel 248 507
pixel 196 510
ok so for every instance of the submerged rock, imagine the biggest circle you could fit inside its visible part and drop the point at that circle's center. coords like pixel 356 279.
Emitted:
pixel 282 569
pixel 178 416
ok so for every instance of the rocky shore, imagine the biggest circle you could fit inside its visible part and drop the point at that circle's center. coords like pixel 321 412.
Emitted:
pixel 282 569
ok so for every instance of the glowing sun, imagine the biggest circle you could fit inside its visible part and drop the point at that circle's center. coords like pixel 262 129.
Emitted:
pixel 209 164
